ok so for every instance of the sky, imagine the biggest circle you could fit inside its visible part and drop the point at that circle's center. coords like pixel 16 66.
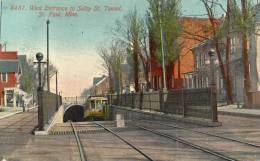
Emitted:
pixel 74 37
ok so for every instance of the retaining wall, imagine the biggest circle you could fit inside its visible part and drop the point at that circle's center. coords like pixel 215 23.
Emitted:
pixel 136 114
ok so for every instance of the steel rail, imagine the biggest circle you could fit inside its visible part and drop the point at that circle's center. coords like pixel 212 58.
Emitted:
pixel 206 133
pixel 80 147
pixel 125 141
pixel 209 151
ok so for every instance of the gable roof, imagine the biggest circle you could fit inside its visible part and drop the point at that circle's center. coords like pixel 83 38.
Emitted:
pixel 97 79
pixel 9 67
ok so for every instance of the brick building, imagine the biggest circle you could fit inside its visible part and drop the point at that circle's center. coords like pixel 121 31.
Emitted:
pixel 195 27
pixel 100 85
pixel 9 75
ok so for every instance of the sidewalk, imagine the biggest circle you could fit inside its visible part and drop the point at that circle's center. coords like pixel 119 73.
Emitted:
pixel 11 111
pixel 232 110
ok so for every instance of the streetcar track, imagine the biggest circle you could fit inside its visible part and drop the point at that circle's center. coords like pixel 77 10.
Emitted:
pixel 207 133
pixel 206 150
pixel 125 141
pixel 79 144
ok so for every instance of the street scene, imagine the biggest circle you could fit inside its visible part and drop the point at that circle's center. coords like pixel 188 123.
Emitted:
pixel 130 80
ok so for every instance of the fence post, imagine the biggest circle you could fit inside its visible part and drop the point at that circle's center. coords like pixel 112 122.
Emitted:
pixel 141 100
pixel 161 99
pixel 213 98
pixel 150 100
pixel 183 102
pixel 132 100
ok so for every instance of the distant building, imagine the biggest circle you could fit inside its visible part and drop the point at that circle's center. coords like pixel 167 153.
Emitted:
pixel 199 78
pixel 185 64
pixel 10 70
pixel 100 85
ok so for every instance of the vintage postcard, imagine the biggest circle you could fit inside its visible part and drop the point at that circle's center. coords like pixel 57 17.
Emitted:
pixel 129 80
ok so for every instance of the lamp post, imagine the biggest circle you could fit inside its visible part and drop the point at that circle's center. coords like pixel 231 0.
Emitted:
pixel 213 90
pixel 162 47
pixel 39 57
pixel 57 96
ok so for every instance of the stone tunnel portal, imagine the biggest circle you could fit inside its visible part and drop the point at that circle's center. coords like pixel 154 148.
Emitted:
pixel 74 113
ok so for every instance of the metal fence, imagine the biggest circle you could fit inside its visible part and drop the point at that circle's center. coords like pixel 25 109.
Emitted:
pixel 200 103
pixel 75 100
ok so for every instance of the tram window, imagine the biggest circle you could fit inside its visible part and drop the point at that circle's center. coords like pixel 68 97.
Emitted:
pixel 92 104
pixel 99 106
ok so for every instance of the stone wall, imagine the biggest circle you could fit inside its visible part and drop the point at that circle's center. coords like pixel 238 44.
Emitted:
pixel 49 103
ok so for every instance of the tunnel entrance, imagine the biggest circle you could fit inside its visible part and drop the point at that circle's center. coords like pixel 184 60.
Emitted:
pixel 74 113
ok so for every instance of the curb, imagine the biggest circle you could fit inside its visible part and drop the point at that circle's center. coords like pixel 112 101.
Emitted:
pixel 245 115
pixel 11 114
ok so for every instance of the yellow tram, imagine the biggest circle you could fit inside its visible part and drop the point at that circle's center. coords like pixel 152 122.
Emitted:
pixel 97 108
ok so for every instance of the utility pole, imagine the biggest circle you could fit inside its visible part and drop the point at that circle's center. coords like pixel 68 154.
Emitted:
pixel 48 61
pixel 1 12
pixel 57 94
pixel 162 46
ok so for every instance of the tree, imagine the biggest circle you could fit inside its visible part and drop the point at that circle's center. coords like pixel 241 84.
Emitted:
pixel 86 92
pixel 105 55
pixel 166 14
pixel 113 58
pixel 52 72
pixel 229 87
pixel 244 24
pixel 27 77
pixel 219 28
pixel 132 32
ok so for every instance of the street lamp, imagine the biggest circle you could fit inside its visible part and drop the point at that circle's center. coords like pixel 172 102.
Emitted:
pixel 162 47
pixel 211 54
pixel 39 57
pixel 213 90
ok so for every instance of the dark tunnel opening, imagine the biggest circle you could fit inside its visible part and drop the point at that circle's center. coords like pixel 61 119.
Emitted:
pixel 74 113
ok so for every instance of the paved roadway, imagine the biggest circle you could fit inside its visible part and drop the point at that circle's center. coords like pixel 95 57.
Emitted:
pixel 17 143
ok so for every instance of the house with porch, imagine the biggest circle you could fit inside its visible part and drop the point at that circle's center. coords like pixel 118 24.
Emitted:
pixel 200 76
pixel 10 72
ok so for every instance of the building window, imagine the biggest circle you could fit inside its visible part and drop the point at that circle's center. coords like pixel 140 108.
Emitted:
pixel 197 61
pixel 4 77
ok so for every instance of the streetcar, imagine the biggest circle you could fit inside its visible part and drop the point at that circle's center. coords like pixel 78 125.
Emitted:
pixel 97 108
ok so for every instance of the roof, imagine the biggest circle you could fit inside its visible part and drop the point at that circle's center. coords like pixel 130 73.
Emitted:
pixel 8 55
pixel 9 66
pixel 100 81
pixel 97 98
pixel 97 79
